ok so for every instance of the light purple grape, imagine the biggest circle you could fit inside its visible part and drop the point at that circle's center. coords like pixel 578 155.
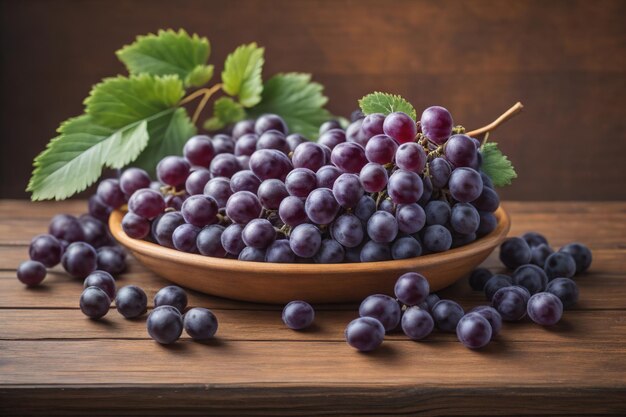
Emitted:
pixel 436 124
pixel 197 180
pixel 309 155
pixel 321 206
pixel 291 211
pixel 417 323
pixel 232 240
pixel 347 229
pixel 271 193
pixel 146 203
pixel 383 308
pixel 349 157
pixel 327 175
pixel 300 182
pixel 382 227
pixel 259 233
pixel 381 149
pixel 243 206
pixel 305 240
pixel 219 188
pixel 348 190
pixel 474 331
pixel 405 187
pixel 410 217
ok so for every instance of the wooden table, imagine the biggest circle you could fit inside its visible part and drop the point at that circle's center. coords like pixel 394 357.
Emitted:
pixel 55 361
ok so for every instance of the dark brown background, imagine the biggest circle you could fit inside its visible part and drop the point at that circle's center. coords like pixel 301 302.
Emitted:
pixel 565 60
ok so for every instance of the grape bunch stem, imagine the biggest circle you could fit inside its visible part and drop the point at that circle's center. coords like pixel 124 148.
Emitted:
pixel 206 94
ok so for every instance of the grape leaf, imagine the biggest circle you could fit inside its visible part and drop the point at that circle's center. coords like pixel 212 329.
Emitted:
pixel 386 103
pixel 74 160
pixel 496 165
pixel 169 53
pixel 242 74
pixel 297 99
pixel 225 112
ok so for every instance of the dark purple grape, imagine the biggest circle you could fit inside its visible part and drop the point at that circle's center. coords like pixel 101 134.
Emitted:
pixel 31 273
pixel 461 151
pixel 349 157
pixel 270 122
pixel 375 252
pixel 94 302
pixel 465 185
pixel 173 170
pixel 79 259
pixel 488 223
pixel 446 314
pixel 146 203
pixel 292 212
pixel 171 295
pixel 533 238
pixel 417 323
pixel 305 240
pixel 273 139
pixel 280 252
pixel 436 238
pixel 298 315
pixel 98 209
pixel 241 128
pixel 411 156
pixel 102 280
pixel 493 317
pixel 300 182
pixel 478 278
pixel 383 308
pixel 67 228
pixel 405 187
pixel 459 239
pixel 511 302
pixel 373 177
pixel 245 181
pixel 464 218
pixel 135 226
pixel 405 248
pixel 531 277
pixel 347 229
pixel 270 164
pixel 539 254
pixel 356 115
pixel 436 124
pixel 199 210
pixel 355 134
pixel 496 282
pixel 219 189
pixel 224 165
pixel 347 190
pixel 199 151
pixel 411 288
pixel 111 260
pixel 440 171
pixel 197 180
pixel 259 233
pixel 110 193
pixel 564 288
pixel 560 265
pixel 165 324
pixel 474 331
pixel 164 226
pixel 581 255
pixel 381 149
pixel 327 175
pixel 174 201
pixel 365 208
pixel 430 302
pixel 382 227
pixel 400 126
pixel 133 179
pixel 96 232
pixel 487 201
pixel 372 125
pixel 209 241
pixel 223 144
pixel 200 323
pixel 332 138
pixel 184 238
pixel 131 301
pixel 45 249
pixel 331 124
pixel 246 145
pixel 365 334
pixel 437 212
pixel 294 140
pixel 321 206
pixel 232 240
pixel 309 155
pixel 514 252
pixel 252 254
pixel 330 252
pixel 243 206
pixel 271 192
pixel 545 309
pixel 388 206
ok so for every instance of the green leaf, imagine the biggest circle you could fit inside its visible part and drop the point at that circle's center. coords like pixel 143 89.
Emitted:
pixel 386 103
pixel 74 160
pixel 242 74
pixel 496 165
pixel 119 101
pixel 296 99
pixel 225 112
pixel 169 53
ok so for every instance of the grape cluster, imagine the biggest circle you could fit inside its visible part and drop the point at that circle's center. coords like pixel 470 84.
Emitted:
pixel 385 188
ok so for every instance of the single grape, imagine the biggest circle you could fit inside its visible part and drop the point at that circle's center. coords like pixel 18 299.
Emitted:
pixel 496 282
pixel 259 233
pixel 67 228
pixel 184 238
pixel 581 255
pixel 270 164
pixel 479 277
pixel 383 308
pixel 355 134
pixel 199 151
pixel 534 239
pixel 382 227
pixel 271 193
pixel 305 240
pixel 381 149
pixel 372 125
pixel 347 229
pixel 298 315
pixel 309 155
pixel 242 127
pixel 173 170
pixel 31 273
pixel 493 317
pixel 294 140
pixel 564 288
pixel 252 254
pixel 199 210
pixel 223 144
pixel 94 302
pixel 417 323
pixel 405 187
pixel 430 302
pixel 98 209
pixel 514 252
pixel 111 260
pixel 465 185
pixel 232 240
pixel 365 208
pixel 243 206
pixel 373 177
pixel 437 238
pixel 405 248
pixel 474 331
pixel 291 211
pixel 488 223
pixel 219 188
pixel 164 226
pixel 461 151
pixel 545 309
pixel 300 182
pixel 411 156
pixel 102 280
pixel 270 122
pixel 365 334
pixel 347 190
pixel 349 157
pixel 321 206
pixel 331 124
pixel 327 175
pixel 531 277
pixel 197 180
pixel 110 193
pixel 437 212
pixel 446 314
pixel 273 139
pixel 224 165
pixel 246 144
pixel 464 218
pixel 539 254
pixel 332 138
pixel 400 126
pixel 165 324
pixel 387 205
pixel 146 203
pixel 171 295
pixel 131 301
pixel 511 302
pixel 375 252
pixel 411 288
pixel 45 249
pixel 209 241
pixel 135 226
pixel 440 171
pixel 245 181
pixel 174 201
pixel 280 252
pixel 330 252
pixel 436 123
pixel 79 259
pixel 560 265
pixel 200 323
pixel 133 179
pixel 487 201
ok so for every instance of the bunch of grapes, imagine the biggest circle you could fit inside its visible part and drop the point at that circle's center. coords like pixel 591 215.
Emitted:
pixel 385 188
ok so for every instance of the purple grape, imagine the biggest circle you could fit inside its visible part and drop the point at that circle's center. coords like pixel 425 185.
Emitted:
pixel 349 157
pixel 232 240
pixel 560 265
pixel 271 193
pixel 273 139
pixel 531 277
pixel 496 282
pixel 134 179
pixel 355 134
pixel 383 308
pixel 241 128
pixel 488 223
pixel 446 314
pixel 479 277
pixel 131 301
pixel 564 288
pixel 437 238
pixel 411 288
pixel 110 193
pixel 259 233
pixel 365 334
pixel 539 254
pixel 331 252
pixel 270 164
pixel 209 241
pixel 321 206
pixel 487 201
pixel 199 210
pixel 365 208
pixel 309 155
pixel 464 218
pixel 400 126
pixel 411 218
pixel 199 151
pixel 411 156
pixel 270 122
pixel 388 206
pixel 331 124
pixel 300 182
pixel 405 248
pixel 174 201
pixel 405 187
pixel 428 191
pixel 219 189
pixel 474 331
pixel 292 212
pixel 246 145
pixel 67 228
pixel 98 209
pixel 305 240
pixel 280 252
pixel 436 124
pixel 437 212
pixel 493 317
pixel 347 229
pixel 332 138
pixel 249 254
pixel 45 249
pixel 135 226
pixel 31 273
pixel 173 170
pixel 430 302
pixel 184 238
pixel 111 260
pixel 146 203
pixel 243 206
pixel 375 252
pixel 244 161
pixel 381 149
pixel 298 315
pixel 461 151
pixel 327 175
pixel 223 144
pixel 164 226
pixel 102 280
pixel 440 171
pixel 224 165
pixel 156 186
pixel 165 324
pixel 171 295
pixel 417 323
pixel 514 252
pixel 197 180
pixel 200 323
pixel 245 181
pixel 534 238
pixel 545 309
pixel 372 125
pixel 581 255
pixel 94 303
pixel 79 259
pixel 294 140
pixel 382 227
pixel 465 185
pixel 373 177
pixel 511 302
pixel 347 190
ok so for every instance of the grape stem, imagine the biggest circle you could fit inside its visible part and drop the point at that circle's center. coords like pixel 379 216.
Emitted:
pixel 206 94
pixel 515 109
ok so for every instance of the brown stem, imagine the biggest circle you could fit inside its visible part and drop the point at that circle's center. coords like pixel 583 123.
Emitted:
pixel 206 94
pixel 515 109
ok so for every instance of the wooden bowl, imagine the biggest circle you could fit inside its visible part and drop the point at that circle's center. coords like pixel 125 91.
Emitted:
pixel 316 283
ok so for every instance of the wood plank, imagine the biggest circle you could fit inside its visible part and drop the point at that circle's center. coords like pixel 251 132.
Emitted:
pixel 267 325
